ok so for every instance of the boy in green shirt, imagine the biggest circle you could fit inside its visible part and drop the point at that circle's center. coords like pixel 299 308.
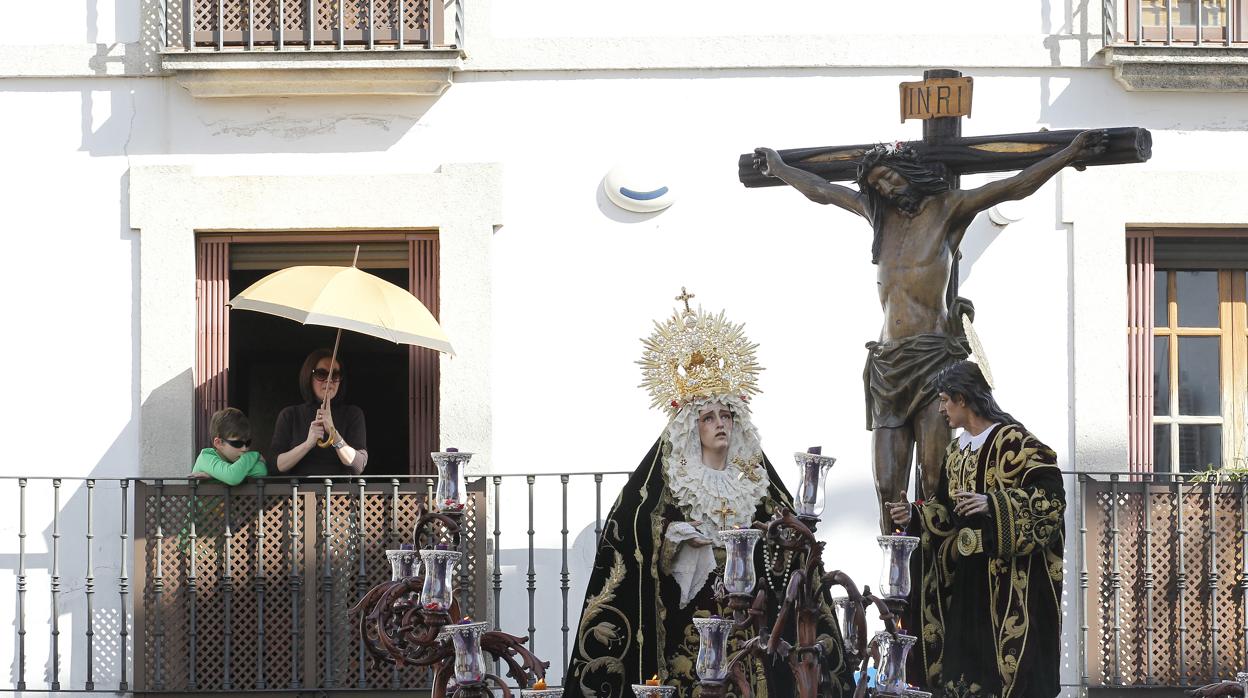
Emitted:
pixel 230 459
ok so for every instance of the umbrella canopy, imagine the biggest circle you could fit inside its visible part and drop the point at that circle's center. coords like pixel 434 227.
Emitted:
pixel 348 299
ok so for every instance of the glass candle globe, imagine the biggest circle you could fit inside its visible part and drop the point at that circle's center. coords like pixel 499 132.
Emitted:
pixel 449 495
pixel 739 575
pixel 891 679
pixel 895 573
pixel 713 634
pixel 436 594
pixel 813 471
pixel 469 661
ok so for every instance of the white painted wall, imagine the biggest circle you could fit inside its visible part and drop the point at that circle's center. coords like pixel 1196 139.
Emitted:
pixel 556 94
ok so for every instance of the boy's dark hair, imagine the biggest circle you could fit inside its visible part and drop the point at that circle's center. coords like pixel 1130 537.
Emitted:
pixel 230 423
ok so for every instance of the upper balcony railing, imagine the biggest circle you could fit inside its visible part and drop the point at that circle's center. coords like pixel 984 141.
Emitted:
pixel 253 25
pixel 1210 23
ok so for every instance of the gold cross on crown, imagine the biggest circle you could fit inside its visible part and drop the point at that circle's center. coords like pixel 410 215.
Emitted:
pixel 723 512
pixel 685 296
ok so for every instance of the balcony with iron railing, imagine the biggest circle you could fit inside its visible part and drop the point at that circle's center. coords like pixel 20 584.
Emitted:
pixel 1163 45
pixel 171 586
pixel 239 48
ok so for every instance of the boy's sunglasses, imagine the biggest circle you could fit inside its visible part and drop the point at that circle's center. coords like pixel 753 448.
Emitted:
pixel 322 375
pixel 238 443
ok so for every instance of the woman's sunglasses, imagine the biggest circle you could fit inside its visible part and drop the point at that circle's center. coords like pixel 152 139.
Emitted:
pixel 238 443
pixel 323 375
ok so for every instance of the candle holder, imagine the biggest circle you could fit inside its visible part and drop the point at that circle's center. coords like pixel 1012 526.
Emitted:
pixel 739 575
pixel 648 691
pixel 436 594
pixel 848 611
pixel 404 563
pixel 541 693
pixel 894 648
pixel 406 622
pixel 469 661
pixel 1242 679
pixel 712 662
pixel 895 574
pixel 449 496
pixel 915 693
pixel 811 496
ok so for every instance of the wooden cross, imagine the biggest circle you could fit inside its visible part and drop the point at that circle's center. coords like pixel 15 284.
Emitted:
pixel 723 512
pixel 943 143
pixel 685 296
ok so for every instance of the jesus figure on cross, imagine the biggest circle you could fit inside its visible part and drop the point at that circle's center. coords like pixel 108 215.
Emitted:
pixel 919 221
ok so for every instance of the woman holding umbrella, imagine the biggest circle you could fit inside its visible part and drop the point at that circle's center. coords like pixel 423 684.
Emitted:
pixel 322 435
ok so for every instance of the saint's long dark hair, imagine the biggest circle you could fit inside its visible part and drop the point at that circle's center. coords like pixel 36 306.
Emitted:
pixel 924 179
pixel 964 380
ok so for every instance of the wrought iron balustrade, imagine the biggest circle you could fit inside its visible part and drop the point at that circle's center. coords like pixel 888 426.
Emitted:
pixel 217 25
pixel 1165 578
pixel 169 585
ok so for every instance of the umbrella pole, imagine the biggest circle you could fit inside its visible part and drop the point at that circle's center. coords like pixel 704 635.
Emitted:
pixel 333 357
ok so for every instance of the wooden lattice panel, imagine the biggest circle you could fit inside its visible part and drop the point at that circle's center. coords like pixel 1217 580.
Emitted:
pixel 287 565
pixel 1196 631
pixel 230 23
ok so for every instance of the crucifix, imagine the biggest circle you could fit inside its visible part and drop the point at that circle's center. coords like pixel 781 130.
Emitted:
pixel 686 297
pixel 909 193
pixel 724 512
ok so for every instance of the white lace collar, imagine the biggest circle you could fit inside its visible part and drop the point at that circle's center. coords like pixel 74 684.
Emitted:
pixel 977 441
pixel 702 492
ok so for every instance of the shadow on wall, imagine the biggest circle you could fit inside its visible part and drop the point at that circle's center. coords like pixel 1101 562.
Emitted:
pixel 73 531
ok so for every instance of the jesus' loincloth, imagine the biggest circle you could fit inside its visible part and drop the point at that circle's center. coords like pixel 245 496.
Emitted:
pixel 898 376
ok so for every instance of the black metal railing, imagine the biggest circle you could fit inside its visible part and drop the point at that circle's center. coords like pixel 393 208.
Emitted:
pixel 174 585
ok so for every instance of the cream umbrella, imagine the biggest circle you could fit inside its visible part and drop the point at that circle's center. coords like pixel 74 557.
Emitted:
pixel 348 299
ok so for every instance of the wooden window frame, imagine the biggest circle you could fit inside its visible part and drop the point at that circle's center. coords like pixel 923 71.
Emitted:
pixel 212 326
pixel 1232 351
pixel 1186 33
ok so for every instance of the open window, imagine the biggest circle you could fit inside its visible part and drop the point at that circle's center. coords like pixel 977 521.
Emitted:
pixel 251 360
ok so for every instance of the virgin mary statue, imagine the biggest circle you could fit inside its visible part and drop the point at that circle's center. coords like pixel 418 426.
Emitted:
pixel 660 557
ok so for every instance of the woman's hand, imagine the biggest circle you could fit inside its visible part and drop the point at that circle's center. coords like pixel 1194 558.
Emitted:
pixel 326 418
pixel 316 430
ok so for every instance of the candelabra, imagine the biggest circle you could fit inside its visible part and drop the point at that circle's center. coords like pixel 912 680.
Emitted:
pixel 803 604
pixel 414 619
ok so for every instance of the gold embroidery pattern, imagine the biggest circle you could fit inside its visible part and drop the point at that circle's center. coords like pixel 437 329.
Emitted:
pixel 604 632
pixel 1026 519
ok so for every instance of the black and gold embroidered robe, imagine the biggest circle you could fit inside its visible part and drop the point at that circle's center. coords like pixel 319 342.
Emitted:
pixel 632 626
pixel 989 601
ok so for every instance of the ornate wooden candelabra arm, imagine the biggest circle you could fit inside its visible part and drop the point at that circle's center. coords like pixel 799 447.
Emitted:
pixel 398 631
pixel 803 607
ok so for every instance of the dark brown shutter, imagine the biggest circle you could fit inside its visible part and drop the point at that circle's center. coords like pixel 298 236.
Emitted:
pixel 423 364
pixel 212 337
